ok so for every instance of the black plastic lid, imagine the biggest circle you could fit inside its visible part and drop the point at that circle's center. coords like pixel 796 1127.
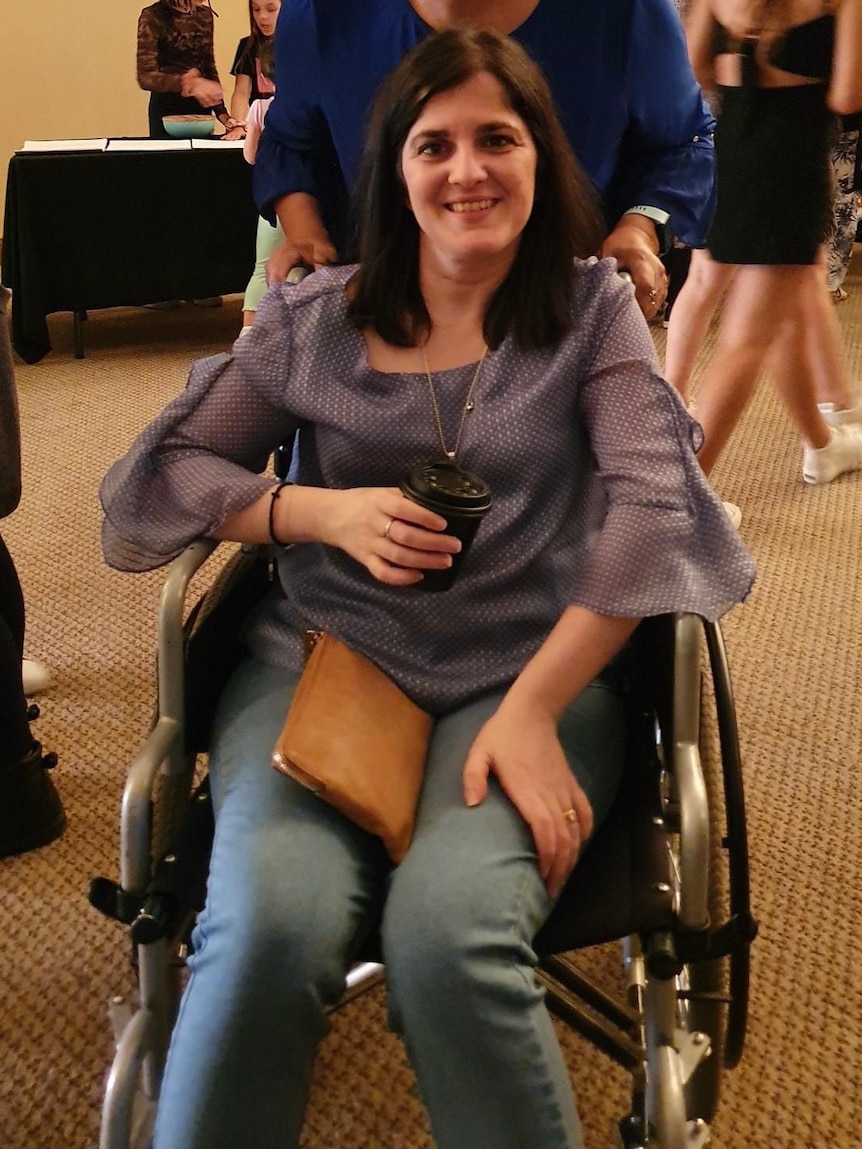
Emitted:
pixel 443 481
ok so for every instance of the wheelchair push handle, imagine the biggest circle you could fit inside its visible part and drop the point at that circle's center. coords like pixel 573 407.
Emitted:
pixel 297 274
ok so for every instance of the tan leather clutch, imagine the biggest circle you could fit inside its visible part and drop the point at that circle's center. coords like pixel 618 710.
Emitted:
pixel 356 739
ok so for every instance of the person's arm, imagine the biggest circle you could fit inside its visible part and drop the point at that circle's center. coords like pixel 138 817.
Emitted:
pixel 241 98
pixel 295 148
pixel 845 88
pixel 665 544
pixel 699 32
pixel 196 472
pixel 150 77
pixel 521 747
pixel 199 82
pixel 239 101
pixel 306 240
pixel 634 244
pixel 354 520
pixel 204 47
pixel 666 160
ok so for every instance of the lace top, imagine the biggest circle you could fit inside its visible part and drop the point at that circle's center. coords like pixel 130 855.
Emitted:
pixel 170 43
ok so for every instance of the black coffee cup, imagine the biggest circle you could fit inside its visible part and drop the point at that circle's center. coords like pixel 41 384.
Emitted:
pixel 460 497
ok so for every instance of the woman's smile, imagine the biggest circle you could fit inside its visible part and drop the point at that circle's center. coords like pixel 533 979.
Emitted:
pixel 472 207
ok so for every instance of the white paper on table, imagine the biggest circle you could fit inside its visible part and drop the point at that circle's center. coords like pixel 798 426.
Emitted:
pixel 149 145
pixel 98 145
pixel 216 142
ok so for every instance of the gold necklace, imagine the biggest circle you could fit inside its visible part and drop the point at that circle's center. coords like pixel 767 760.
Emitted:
pixel 465 410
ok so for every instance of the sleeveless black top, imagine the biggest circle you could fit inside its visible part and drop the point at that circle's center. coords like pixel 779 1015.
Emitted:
pixel 804 50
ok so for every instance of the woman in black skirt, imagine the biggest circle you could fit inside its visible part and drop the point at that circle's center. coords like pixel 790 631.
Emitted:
pixel 781 69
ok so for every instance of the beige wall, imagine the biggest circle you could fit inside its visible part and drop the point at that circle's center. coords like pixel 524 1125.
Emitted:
pixel 67 69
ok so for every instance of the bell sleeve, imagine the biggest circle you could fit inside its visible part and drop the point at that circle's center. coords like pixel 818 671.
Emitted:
pixel 666 543
pixel 200 460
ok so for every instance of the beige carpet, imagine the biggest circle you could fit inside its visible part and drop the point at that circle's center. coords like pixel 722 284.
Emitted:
pixel 796 651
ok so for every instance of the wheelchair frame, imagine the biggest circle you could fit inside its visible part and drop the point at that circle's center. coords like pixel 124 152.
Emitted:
pixel 683 1015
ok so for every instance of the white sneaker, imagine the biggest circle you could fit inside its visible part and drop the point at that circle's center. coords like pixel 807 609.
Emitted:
pixel 35 676
pixel 840 416
pixel 734 514
pixel 842 453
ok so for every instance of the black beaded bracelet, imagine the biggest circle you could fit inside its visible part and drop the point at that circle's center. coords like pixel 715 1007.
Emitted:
pixel 276 491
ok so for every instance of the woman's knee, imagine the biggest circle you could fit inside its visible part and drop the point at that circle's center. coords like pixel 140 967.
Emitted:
pixel 272 943
pixel 446 936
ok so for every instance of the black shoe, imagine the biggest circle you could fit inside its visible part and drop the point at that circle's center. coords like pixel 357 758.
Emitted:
pixel 31 813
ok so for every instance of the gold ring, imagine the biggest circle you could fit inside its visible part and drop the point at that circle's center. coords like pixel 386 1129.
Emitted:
pixel 653 296
pixel 570 815
pixel 388 528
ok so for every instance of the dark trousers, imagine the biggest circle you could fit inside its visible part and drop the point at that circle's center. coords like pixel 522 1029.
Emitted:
pixel 15 738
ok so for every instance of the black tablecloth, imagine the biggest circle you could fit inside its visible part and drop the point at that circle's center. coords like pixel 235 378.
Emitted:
pixel 109 229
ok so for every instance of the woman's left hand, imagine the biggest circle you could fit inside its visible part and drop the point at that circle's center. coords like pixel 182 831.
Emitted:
pixel 523 750
pixel 631 246
pixel 234 132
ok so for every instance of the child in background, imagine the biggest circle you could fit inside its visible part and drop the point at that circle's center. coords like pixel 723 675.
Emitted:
pixel 176 62
pixel 253 63
pixel 268 237
pixel 263 15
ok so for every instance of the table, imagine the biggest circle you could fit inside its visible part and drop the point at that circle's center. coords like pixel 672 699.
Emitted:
pixel 109 229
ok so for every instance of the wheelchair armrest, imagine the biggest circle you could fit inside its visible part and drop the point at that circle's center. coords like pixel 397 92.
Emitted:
pixel 164 747
pixel 171 614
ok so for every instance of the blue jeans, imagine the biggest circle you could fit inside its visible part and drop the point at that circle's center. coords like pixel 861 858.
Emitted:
pixel 292 887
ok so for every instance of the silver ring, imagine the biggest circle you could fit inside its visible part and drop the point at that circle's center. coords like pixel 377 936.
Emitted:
pixel 388 528
pixel 570 815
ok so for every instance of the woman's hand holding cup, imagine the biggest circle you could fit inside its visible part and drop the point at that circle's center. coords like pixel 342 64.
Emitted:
pixel 394 538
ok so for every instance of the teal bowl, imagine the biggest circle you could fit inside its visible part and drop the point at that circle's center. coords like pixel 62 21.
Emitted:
pixel 189 127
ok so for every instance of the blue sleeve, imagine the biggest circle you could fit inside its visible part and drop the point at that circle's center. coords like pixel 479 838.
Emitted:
pixel 296 153
pixel 666 158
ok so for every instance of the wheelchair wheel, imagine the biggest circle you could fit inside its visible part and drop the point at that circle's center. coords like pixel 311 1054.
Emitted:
pixel 729 785
pixel 714 993
pixel 703 986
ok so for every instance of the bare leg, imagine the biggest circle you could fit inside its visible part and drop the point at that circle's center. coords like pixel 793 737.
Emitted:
pixel 761 306
pixel 690 317
pixel 825 345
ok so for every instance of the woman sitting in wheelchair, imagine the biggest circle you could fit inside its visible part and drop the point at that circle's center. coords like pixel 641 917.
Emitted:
pixel 476 337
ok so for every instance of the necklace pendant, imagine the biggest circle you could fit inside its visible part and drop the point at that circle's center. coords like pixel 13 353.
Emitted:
pixel 450 454
pixel 469 407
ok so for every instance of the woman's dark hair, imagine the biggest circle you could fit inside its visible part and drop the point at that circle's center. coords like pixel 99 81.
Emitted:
pixel 534 300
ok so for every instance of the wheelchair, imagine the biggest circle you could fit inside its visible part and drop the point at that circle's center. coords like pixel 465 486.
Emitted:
pixel 666 875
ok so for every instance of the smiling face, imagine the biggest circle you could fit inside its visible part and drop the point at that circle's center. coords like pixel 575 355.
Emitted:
pixel 469 167
pixel 265 13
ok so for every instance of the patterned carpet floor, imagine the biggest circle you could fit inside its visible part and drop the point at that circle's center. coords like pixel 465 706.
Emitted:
pixel 796 654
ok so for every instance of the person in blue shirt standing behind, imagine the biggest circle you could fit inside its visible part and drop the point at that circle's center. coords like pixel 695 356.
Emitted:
pixel 620 76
